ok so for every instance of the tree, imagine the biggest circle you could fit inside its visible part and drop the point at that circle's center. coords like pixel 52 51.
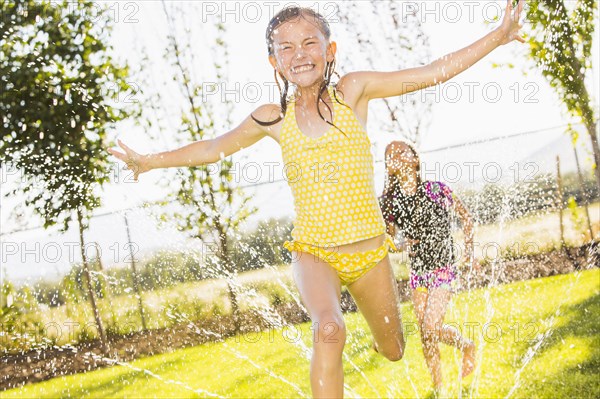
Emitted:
pixel 55 68
pixel 560 42
pixel 210 206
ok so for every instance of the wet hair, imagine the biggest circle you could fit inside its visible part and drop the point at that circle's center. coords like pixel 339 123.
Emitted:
pixel 289 14
pixel 392 184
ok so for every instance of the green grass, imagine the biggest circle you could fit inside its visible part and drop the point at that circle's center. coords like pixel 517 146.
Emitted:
pixel 562 312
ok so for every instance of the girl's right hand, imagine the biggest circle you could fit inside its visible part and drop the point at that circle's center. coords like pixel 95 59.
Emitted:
pixel 136 162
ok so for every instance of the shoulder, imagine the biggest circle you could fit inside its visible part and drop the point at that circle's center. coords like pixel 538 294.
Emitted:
pixel 352 86
pixel 356 79
pixel 270 117
pixel 439 192
pixel 437 186
pixel 267 112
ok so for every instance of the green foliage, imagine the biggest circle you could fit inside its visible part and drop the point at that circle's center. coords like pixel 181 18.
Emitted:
pixel 560 42
pixel 20 323
pixel 9 313
pixel 166 269
pixel 50 293
pixel 275 293
pixel 55 68
pixel 175 313
pixel 583 194
pixel 74 284
pixel 576 215
pixel 264 246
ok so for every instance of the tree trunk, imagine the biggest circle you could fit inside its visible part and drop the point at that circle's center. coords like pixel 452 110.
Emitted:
pixel 86 271
pixel 591 126
pixel 585 110
pixel 235 309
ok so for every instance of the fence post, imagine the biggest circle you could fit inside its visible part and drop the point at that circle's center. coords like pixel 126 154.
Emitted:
pixel 563 244
pixel 559 198
pixel 86 271
pixel 582 184
pixel 105 284
pixel 136 285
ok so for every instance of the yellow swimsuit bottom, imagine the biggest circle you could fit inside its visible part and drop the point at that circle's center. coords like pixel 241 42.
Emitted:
pixel 349 266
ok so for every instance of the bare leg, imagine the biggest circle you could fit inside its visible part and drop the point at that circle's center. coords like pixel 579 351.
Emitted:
pixel 320 289
pixel 376 296
pixel 450 335
pixel 429 339
pixel 431 309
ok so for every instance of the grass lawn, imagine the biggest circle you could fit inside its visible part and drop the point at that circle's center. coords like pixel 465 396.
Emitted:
pixel 536 338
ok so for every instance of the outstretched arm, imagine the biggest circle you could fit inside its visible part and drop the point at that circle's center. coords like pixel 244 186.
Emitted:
pixel 389 84
pixel 199 152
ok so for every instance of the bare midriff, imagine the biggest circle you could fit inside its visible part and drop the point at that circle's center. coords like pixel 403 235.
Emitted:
pixel 360 246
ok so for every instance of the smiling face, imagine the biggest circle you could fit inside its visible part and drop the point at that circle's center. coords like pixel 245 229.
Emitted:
pixel 401 160
pixel 301 51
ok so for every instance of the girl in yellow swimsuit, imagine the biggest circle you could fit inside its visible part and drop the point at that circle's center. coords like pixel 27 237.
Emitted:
pixel 339 232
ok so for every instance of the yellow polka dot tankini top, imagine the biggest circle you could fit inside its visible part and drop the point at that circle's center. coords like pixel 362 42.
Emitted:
pixel 332 180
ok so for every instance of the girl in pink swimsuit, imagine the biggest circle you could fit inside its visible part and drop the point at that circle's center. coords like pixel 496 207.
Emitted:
pixel 421 210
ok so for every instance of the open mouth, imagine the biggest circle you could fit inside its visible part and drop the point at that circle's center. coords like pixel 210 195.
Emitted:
pixel 302 68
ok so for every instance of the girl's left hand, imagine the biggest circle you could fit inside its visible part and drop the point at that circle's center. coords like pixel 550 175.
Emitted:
pixel 510 24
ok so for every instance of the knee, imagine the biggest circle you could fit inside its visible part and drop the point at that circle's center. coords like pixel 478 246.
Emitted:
pixel 329 331
pixel 430 332
pixel 393 350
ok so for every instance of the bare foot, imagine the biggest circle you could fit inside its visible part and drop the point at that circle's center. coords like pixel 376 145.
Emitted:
pixel 468 364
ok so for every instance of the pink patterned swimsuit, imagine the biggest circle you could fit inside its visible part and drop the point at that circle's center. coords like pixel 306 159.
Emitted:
pixel 425 216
